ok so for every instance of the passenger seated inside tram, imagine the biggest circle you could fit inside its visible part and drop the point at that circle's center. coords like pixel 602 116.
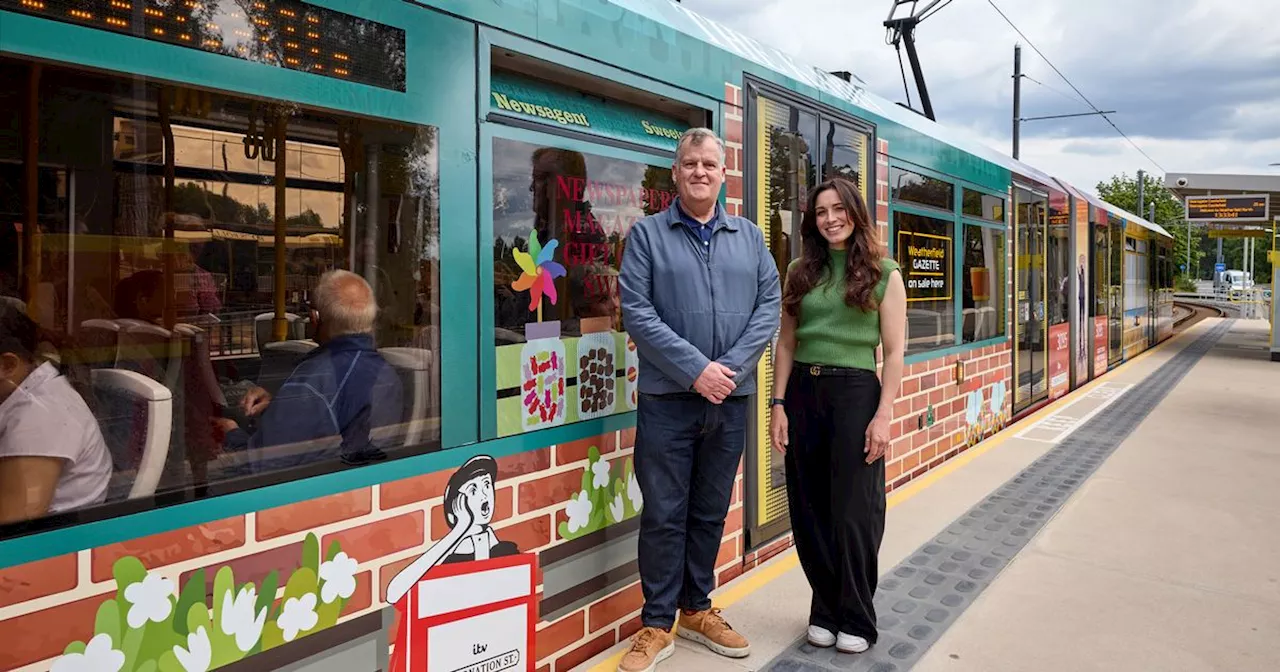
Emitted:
pixel 335 398
pixel 52 455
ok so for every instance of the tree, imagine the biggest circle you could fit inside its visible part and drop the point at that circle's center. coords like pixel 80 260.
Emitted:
pixel 1122 191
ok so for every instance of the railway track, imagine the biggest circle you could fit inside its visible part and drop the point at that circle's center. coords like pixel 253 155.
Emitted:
pixel 1186 315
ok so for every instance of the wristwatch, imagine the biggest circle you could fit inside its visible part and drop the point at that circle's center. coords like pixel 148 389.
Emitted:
pixel 777 402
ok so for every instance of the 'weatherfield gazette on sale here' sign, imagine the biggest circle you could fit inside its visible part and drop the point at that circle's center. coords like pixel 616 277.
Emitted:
pixel 927 266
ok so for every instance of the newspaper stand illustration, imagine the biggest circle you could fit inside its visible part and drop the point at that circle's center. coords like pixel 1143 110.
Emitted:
pixel 477 616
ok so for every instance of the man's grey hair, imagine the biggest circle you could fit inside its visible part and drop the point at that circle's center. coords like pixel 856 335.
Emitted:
pixel 696 136
pixel 346 303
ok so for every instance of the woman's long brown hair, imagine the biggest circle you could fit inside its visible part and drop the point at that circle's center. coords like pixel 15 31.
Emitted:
pixel 862 270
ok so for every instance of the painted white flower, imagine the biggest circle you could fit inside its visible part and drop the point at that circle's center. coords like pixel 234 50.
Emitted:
pixel 579 511
pixel 633 492
pixel 198 655
pixel 600 474
pixel 975 407
pixel 98 656
pixel 238 618
pixel 616 508
pixel 151 599
pixel 298 615
pixel 339 578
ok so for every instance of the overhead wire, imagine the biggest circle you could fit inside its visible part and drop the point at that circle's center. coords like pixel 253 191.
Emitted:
pixel 1073 86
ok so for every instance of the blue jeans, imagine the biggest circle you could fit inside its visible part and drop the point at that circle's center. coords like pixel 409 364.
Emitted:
pixel 686 459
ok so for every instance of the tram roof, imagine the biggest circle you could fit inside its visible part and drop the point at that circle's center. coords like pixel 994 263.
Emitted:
pixel 681 18
pixel 1115 210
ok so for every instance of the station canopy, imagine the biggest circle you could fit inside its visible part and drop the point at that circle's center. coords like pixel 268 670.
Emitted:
pixel 1242 205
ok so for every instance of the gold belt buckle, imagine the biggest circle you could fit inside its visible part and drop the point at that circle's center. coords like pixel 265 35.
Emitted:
pixel 815 371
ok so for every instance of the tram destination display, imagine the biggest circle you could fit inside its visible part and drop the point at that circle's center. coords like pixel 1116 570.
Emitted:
pixel 927 265
pixel 1227 208
pixel 282 33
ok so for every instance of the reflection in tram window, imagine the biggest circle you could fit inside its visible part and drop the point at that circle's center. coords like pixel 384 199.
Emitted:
pixel 983 206
pixel 984 283
pixel 174 256
pixel 907 186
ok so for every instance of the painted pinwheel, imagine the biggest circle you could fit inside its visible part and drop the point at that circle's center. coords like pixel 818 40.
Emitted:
pixel 540 272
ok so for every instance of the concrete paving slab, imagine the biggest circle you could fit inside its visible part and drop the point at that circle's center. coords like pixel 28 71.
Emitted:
pixel 1228 546
pixel 1052 614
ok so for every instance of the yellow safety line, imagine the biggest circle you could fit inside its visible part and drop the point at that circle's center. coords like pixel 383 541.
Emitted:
pixel 758 578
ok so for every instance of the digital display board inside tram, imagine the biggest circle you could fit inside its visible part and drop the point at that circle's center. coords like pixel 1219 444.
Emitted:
pixel 283 33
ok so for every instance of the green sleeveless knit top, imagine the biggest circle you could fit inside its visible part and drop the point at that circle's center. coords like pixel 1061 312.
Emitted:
pixel 830 333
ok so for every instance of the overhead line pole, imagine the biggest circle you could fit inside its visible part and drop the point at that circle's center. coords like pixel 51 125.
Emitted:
pixel 1017 105
pixel 1017 98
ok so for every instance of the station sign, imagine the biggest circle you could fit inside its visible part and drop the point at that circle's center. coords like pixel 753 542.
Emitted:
pixel 926 265
pixel 1227 208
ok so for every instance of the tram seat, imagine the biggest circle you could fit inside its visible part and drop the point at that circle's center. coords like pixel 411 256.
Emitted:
pixel 262 324
pixel 278 361
pixel 413 365
pixel 979 323
pixel 987 324
pixel 917 317
pixel 150 349
pixel 99 343
pixel 127 402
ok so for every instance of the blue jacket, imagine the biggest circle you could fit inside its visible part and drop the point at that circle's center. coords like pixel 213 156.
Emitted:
pixel 343 388
pixel 686 305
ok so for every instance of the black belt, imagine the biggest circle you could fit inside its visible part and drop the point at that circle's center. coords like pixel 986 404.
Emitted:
pixel 817 370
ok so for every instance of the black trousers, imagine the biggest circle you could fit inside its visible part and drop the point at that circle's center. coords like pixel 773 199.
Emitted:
pixel 837 500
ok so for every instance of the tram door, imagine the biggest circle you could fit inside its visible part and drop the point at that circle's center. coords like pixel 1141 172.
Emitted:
pixel 1030 353
pixel 786 149
pixel 791 147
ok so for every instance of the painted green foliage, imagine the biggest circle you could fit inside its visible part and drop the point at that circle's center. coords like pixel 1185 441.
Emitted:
pixel 151 627
pixel 610 494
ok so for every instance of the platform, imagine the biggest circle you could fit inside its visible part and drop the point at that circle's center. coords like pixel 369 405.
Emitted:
pixel 1132 525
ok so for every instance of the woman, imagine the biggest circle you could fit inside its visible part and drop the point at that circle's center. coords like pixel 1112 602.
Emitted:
pixel 842 299
pixel 52 455
pixel 469 506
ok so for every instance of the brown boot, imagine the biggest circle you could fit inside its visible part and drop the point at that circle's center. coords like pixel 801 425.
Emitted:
pixel 711 630
pixel 649 647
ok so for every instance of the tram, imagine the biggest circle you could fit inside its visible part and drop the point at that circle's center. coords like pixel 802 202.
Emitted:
pixel 175 176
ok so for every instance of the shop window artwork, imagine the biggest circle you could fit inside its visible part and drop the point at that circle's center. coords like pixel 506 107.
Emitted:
pixel 151 624
pixel 560 222
pixel 542 361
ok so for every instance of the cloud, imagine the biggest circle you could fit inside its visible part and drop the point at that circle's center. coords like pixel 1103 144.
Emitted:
pixel 1196 83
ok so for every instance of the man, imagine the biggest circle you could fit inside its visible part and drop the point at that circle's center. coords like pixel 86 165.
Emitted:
pixel 701 299
pixel 334 398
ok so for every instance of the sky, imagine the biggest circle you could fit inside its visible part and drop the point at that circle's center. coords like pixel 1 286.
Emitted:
pixel 1195 83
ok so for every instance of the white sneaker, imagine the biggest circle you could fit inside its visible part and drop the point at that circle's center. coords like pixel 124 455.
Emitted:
pixel 821 637
pixel 851 644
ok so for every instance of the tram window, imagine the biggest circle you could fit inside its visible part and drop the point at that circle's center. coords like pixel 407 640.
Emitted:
pixel 923 247
pixel 155 284
pixel 844 152
pixel 982 206
pixel 912 187
pixel 983 307
pixel 563 215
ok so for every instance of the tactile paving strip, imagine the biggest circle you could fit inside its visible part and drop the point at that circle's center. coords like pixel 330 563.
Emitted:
pixel 918 599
